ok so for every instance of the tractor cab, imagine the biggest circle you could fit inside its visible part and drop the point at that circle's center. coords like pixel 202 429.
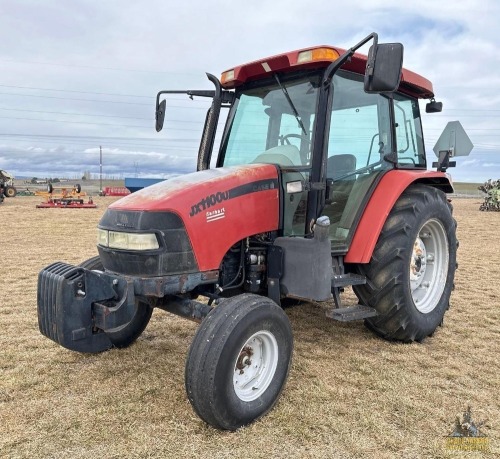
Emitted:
pixel 328 119
pixel 328 162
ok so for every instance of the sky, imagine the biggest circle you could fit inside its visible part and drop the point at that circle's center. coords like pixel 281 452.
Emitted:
pixel 80 75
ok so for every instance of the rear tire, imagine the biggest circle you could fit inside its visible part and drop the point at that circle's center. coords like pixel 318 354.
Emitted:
pixel 239 361
pixel 10 191
pixel 410 276
pixel 124 336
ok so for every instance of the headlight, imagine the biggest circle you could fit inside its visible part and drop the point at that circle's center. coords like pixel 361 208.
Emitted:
pixel 102 237
pixel 127 241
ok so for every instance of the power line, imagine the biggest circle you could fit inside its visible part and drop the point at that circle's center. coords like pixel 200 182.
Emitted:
pixel 96 138
pixel 167 120
pixel 85 143
pixel 75 114
pixel 73 90
pixel 98 100
pixel 82 122
pixel 69 98
pixel 98 67
pixel 88 123
pixel 94 92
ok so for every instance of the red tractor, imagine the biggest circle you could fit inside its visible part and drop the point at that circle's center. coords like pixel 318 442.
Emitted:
pixel 320 183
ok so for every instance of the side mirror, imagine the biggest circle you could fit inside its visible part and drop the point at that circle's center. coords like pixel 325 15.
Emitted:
pixel 384 67
pixel 160 115
pixel 434 107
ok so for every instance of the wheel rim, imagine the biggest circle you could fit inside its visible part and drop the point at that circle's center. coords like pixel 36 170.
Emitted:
pixel 429 266
pixel 255 366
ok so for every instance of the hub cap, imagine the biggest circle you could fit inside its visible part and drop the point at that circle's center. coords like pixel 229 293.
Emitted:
pixel 429 266
pixel 255 366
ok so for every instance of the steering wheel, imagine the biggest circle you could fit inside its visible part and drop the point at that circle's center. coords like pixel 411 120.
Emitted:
pixel 284 139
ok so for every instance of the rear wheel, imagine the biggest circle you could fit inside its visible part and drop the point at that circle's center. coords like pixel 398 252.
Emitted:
pixel 410 276
pixel 124 336
pixel 239 360
pixel 10 191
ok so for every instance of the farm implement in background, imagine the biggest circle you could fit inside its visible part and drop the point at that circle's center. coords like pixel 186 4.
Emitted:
pixel 115 191
pixel 7 187
pixel 492 199
pixel 65 198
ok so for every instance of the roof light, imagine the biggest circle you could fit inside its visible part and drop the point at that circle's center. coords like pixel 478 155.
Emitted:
pixel 227 76
pixel 317 54
pixel 266 66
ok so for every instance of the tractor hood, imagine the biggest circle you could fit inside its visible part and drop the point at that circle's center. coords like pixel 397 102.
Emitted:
pixel 218 207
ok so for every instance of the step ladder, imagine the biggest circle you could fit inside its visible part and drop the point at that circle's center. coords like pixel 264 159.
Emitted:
pixel 340 279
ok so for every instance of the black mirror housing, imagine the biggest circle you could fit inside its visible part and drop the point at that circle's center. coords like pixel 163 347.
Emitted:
pixel 384 67
pixel 160 115
pixel 434 107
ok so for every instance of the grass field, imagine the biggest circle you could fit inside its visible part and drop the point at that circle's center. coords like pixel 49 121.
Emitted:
pixel 350 394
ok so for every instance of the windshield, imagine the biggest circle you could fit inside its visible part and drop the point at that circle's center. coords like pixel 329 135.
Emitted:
pixel 273 124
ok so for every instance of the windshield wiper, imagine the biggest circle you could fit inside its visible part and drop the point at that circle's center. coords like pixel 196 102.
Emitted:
pixel 294 110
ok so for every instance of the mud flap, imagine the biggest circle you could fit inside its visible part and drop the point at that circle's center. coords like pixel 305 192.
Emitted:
pixel 65 296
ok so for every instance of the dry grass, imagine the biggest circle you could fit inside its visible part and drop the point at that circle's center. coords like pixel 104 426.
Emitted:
pixel 350 394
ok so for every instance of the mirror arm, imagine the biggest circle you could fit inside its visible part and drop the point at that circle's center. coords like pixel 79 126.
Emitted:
pixel 212 118
pixel 340 61
pixel 191 93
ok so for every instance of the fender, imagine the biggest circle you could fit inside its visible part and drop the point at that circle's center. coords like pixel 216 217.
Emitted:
pixel 389 189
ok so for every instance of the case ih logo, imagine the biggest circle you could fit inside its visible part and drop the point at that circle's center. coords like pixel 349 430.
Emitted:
pixel 208 202
pixel 217 214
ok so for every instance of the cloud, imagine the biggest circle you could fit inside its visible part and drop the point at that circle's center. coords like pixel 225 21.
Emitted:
pixel 80 48
pixel 469 162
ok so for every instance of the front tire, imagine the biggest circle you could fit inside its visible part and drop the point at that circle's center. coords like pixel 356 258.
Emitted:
pixel 239 361
pixel 410 276
pixel 124 336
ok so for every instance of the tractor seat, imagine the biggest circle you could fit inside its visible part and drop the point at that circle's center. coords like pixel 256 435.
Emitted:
pixel 337 167
pixel 283 155
pixel 340 165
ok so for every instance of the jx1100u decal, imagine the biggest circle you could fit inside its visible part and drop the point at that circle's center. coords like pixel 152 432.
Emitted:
pixel 220 196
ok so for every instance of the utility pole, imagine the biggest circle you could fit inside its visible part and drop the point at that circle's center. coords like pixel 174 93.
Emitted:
pixel 100 170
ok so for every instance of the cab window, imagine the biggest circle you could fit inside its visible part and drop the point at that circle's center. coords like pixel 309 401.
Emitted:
pixel 409 141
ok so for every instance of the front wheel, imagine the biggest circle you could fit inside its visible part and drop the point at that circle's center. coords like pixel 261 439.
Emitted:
pixel 410 276
pixel 239 360
pixel 124 336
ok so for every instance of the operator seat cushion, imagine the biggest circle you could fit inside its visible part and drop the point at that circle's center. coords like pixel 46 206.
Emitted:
pixel 283 155
pixel 340 188
pixel 337 167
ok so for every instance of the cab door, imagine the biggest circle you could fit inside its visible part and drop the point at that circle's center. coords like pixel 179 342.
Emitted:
pixel 359 151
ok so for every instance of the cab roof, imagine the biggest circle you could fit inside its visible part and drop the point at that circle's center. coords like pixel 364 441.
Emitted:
pixel 315 58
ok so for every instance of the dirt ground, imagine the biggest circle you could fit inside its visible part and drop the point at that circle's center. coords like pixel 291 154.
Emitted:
pixel 350 394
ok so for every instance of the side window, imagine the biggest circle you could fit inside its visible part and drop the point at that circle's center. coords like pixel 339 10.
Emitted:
pixel 409 142
pixel 360 138
pixel 360 125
